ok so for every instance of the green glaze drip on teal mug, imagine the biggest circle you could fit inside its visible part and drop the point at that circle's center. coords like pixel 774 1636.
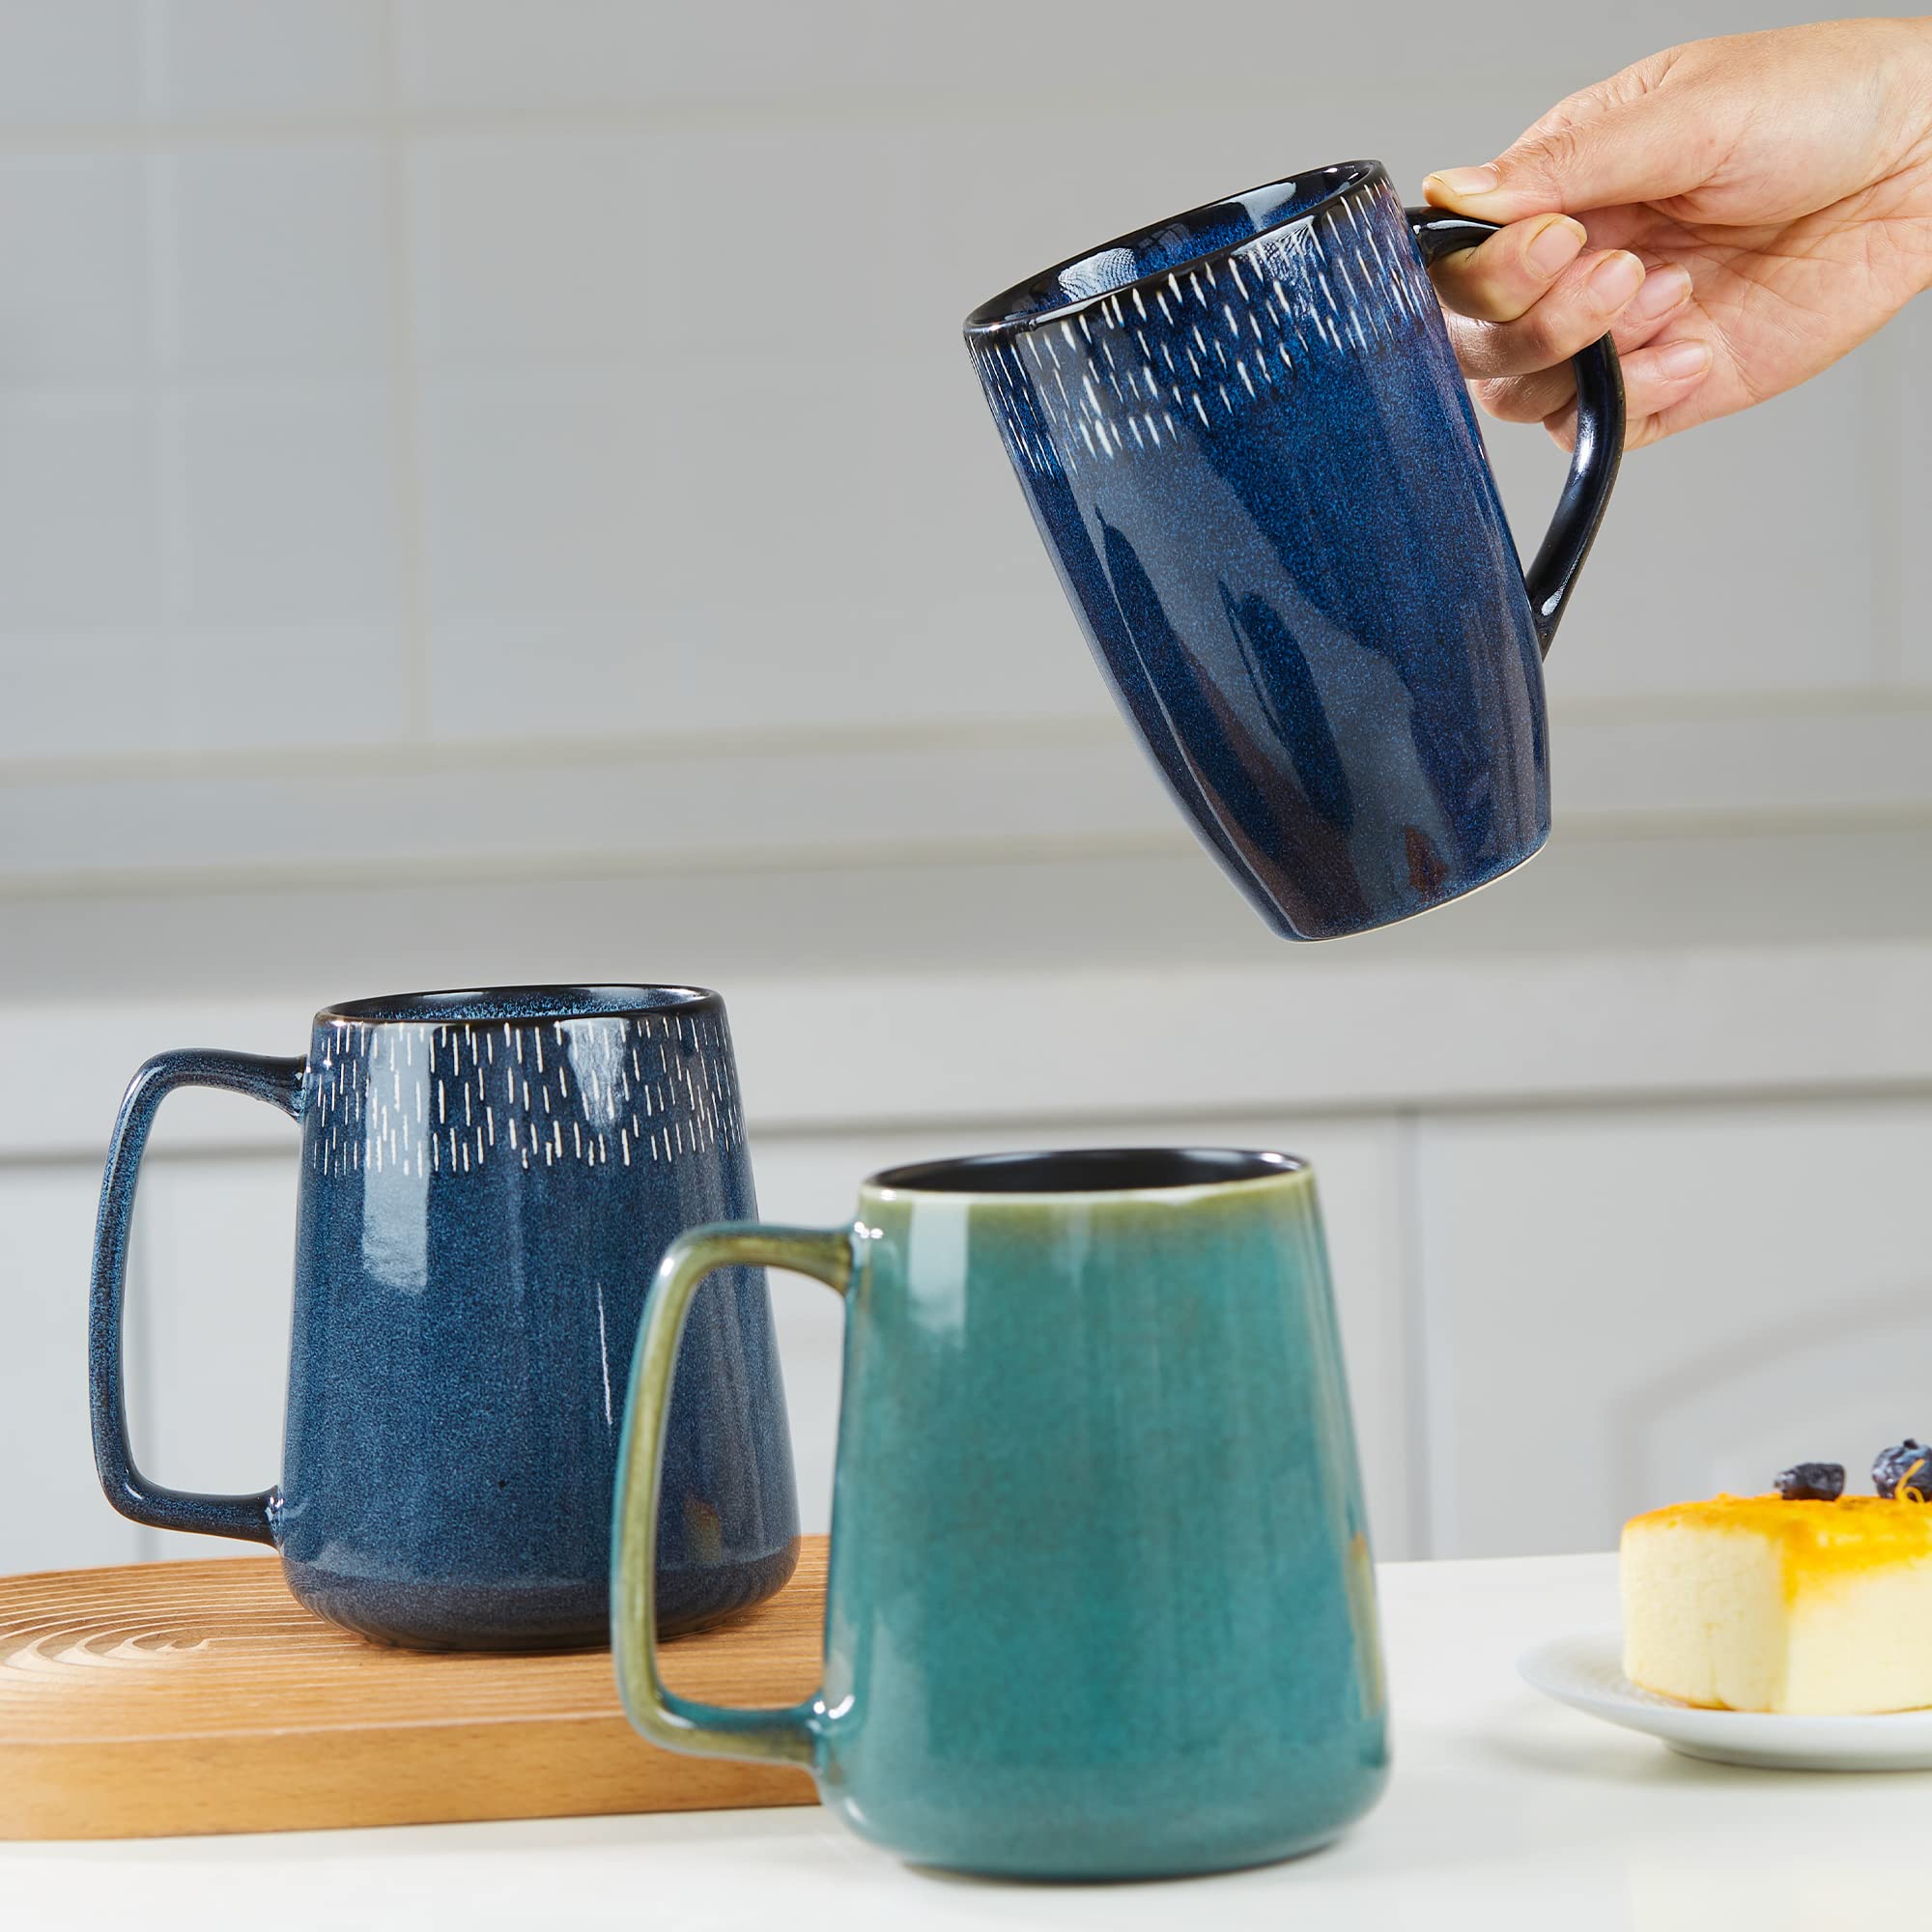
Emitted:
pixel 1101 1600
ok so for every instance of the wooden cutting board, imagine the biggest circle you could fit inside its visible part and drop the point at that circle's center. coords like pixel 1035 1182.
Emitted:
pixel 161 1698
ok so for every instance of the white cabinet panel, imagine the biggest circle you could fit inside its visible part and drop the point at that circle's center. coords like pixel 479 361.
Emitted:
pixel 53 1515
pixel 215 1237
pixel 815 1180
pixel 1628 1308
pixel 215 1241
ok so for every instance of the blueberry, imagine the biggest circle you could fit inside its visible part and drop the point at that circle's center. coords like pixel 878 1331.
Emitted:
pixel 1910 1465
pixel 1811 1482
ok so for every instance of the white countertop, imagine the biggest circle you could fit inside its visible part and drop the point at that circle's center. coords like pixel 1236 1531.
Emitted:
pixel 1504 1811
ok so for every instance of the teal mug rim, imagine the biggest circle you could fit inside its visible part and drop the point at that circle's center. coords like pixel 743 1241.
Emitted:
pixel 1063 1174
pixel 1039 299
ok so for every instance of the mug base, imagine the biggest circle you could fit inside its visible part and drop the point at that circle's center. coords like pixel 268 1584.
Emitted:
pixel 1314 930
pixel 572 1616
pixel 1131 1872
pixel 1193 1827
pixel 697 1597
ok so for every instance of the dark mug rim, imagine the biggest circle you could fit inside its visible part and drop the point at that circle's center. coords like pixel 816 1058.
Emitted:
pixel 1045 298
pixel 1059 1173
pixel 477 1005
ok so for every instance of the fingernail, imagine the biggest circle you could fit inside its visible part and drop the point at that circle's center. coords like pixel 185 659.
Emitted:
pixel 1555 246
pixel 1683 358
pixel 1484 180
pixel 1615 279
pixel 1662 290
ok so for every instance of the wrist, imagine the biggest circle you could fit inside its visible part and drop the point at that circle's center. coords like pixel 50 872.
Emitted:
pixel 1910 90
pixel 1910 102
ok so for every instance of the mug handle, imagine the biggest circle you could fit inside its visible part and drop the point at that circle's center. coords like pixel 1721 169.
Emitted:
pixel 773 1736
pixel 1600 438
pixel 279 1082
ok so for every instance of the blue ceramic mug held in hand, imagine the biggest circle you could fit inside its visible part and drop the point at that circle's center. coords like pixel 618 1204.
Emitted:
pixel 487 1179
pixel 1247 445
pixel 1100 1602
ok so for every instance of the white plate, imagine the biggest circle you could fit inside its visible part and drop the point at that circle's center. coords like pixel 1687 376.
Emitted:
pixel 1586 1672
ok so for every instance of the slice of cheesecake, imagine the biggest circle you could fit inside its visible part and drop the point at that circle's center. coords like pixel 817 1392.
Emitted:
pixel 1757 1604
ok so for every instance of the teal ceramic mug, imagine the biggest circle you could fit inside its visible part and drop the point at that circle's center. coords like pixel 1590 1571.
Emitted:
pixel 1100 1602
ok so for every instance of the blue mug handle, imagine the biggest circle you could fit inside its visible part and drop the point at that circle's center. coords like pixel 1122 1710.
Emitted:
pixel 1600 438
pixel 279 1082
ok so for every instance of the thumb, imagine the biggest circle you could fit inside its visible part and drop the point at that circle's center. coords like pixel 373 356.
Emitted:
pixel 1600 153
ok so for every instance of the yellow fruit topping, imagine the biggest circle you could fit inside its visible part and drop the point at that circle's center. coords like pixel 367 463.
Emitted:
pixel 1816 1539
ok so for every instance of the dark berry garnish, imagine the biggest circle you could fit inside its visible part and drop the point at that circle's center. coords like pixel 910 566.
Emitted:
pixel 1812 1482
pixel 1904 1469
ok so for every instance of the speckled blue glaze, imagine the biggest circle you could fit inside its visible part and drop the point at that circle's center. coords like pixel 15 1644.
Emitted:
pixel 1246 440
pixel 488 1181
pixel 1101 1598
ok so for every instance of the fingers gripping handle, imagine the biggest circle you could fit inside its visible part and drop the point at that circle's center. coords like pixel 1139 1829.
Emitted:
pixel 785 1736
pixel 279 1082
pixel 1599 439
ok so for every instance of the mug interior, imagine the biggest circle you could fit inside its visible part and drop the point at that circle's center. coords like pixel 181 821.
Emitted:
pixel 1086 1171
pixel 520 1003
pixel 1170 246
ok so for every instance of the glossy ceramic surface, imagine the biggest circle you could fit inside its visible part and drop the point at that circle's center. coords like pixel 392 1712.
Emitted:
pixel 1100 1600
pixel 1246 443
pixel 487 1182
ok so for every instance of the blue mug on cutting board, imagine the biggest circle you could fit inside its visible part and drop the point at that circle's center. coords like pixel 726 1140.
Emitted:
pixel 1100 1602
pixel 488 1181
pixel 1246 440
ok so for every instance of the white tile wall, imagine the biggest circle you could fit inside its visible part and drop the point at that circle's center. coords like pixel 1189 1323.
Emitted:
pixel 75 306
pixel 811 559
pixel 286 593
pixel 81 514
pixel 283 685
pixel 540 494
pixel 491 57
pixel 70 63
pixel 287 61
pixel 504 57
pixel 550 250
pixel 801 242
pixel 84 693
pixel 434 340
pixel 286 503
pixel 275 257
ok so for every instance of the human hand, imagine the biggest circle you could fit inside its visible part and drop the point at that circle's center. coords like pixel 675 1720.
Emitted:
pixel 1736 214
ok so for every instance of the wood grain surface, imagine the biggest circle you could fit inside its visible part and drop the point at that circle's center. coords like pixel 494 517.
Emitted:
pixel 165 1698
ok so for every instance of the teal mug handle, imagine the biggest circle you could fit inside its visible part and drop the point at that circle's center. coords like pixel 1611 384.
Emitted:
pixel 786 1735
